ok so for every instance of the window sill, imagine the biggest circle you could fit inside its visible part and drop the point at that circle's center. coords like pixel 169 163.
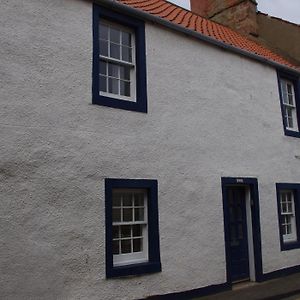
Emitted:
pixel 290 246
pixel 120 103
pixel 135 269
pixel 292 133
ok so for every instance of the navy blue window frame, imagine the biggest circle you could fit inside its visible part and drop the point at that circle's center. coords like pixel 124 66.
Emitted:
pixel 140 104
pixel 296 82
pixel 295 187
pixel 153 264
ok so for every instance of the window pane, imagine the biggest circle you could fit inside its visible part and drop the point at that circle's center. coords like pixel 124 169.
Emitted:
pixel 139 214
pixel 115 247
pixel 125 231
pixel 289 88
pixel 116 199
pixel 284 88
pixel 137 230
pixel 113 70
pixel 126 246
pixel 283 207
pixel 116 215
pixel 125 88
pixel 290 122
pixel 125 73
pixel 127 199
pixel 115 51
pixel 137 245
pixel 127 214
pixel 139 199
pixel 113 86
pixel 126 54
pixel 116 234
pixel 126 39
pixel 103 83
pixel 102 67
pixel 103 31
pixel 290 97
pixel 103 48
pixel 115 35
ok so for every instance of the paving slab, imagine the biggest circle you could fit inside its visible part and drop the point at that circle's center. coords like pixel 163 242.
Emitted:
pixel 287 287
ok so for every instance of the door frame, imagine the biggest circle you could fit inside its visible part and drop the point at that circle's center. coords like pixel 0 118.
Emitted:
pixel 252 184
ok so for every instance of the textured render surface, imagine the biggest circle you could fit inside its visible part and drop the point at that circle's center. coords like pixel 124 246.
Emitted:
pixel 211 114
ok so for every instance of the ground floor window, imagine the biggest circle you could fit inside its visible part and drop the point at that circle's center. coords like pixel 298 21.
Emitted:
pixel 288 196
pixel 132 235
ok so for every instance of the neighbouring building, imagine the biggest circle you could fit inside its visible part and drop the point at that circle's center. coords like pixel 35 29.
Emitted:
pixel 146 152
pixel 276 34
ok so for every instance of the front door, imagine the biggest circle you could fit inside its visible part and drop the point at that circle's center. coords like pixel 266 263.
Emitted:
pixel 238 236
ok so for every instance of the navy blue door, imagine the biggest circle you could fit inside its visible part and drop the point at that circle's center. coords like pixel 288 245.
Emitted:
pixel 239 255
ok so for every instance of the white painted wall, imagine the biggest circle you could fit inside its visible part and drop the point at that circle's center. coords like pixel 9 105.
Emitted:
pixel 211 114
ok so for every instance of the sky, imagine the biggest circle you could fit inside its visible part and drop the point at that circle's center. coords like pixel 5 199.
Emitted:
pixel 285 9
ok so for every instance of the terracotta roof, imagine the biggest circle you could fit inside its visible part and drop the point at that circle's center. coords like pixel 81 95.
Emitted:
pixel 180 16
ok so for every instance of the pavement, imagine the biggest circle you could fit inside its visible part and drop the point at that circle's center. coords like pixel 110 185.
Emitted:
pixel 283 288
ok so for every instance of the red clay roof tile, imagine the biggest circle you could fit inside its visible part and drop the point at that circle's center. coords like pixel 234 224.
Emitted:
pixel 175 14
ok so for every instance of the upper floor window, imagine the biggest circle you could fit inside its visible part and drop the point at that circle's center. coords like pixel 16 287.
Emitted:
pixel 119 62
pixel 288 196
pixel 290 104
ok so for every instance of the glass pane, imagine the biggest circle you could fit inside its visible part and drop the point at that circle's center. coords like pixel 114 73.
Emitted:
pixel 125 88
pixel 283 229
pixel 116 199
pixel 113 86
pixel 103 48
pixel 290 97
pixel 116 232
pixel 289 207
pixel 289 88
pixel 125 73
pixel 115 247
pixel 115 51
pixel 126 246
pixel 116 215
pixel 289 229
pixel 126 54
pixel 284 88
pixel 283 207
pixel 127 199
pixel 290 122
pixel 113 70
pixel 127 214
pixel 139 214
pixel 126 39
pixel 102 67
pixel 103 83
pixel 139 199
pixel 125 231
pixel 137 230
pixel 115 35
pixel 137 245
pixel 103 32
